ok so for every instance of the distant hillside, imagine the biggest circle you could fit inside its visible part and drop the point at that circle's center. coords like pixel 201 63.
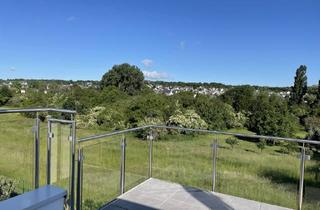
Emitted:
pixel 194 85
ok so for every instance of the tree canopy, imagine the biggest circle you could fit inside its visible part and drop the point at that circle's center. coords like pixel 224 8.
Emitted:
pixel 5 95
pixel 271 116
pixel 299 88
pixel 217 114
pixel 128 78
pixel 239 97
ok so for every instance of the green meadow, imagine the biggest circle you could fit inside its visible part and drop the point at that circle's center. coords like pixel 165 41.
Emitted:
pixel 268 176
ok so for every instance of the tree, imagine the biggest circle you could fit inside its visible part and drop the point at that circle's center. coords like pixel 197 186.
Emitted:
pixel 218 115
pixel 148 106
pixel 5 95
pixel 35 99
pixel 127 78
pixel 310 99
pixel 312 126
pixel 312 123
pixel 318 94
pixel 110 95
pixel 185 98
pixel 271 116
pixel 299 88
pixel 81 99
pixel 240 98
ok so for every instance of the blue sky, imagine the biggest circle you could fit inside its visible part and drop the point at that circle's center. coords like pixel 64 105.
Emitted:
pixel 233 42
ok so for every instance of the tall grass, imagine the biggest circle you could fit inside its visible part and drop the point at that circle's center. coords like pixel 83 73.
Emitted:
pixel 268 176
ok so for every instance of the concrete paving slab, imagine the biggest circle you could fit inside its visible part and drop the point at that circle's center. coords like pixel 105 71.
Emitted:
pixel 157 194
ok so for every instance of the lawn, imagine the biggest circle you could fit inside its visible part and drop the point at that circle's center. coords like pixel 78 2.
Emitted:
pixel 268 176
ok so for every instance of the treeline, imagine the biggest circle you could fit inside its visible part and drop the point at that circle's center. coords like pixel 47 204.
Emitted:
pixel 190 84
pixel 122 100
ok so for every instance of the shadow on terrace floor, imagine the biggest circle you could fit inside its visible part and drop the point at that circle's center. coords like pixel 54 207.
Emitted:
pixel 156 194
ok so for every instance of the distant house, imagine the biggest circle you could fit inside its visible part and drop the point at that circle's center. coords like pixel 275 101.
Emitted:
pixel 171 90
pixel 89 84
pixel 24 85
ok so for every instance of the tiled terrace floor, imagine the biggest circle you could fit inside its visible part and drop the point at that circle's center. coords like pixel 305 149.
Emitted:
pixel 157 194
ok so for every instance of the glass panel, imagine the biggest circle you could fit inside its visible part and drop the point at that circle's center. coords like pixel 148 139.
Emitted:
pixel 184 158
pixel 61 155
pixel 43 152
pixel 101 172
pixel 260 170
pixel 17 150
pixel 311 199
pixel 137 159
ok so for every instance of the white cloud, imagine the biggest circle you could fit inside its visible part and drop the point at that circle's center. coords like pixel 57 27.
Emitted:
pixel 155 75
pixel 182 44
pixel 147 62
pixel 12 69
pixel 71 18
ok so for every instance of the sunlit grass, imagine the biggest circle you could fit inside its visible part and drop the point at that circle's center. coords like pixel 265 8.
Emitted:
pixel 268 176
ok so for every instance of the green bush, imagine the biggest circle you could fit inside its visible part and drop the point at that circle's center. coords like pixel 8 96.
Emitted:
pixel 215 113
pixel 111 119
pixel 89 120
pixel 270 116
pixel 5 95
pixel 241 97
pixel 148 106
pixel 289 147
pixel 110 95
pixel 7 188
pixel 232 142
pixel 187 119
pixel 262 144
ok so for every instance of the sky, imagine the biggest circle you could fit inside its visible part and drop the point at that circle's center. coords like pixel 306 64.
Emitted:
pixel 229 41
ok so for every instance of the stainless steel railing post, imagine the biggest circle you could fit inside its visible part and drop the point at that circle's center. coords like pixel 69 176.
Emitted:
pixel 123 165
pixel 79 179
pixel 214 147
pixel 150 138
pixel 73 162
pixel 49 138
pixel 301 181
pixel 37 151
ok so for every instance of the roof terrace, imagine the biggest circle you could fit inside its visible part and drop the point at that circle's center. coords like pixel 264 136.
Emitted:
pixel 155 194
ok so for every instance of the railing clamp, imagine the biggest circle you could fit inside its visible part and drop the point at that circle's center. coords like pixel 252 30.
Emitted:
pixel 51 135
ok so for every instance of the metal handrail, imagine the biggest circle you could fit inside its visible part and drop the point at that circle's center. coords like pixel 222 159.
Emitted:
pixel 99 136
pixel 61 121
pixel 240 135
pixel 109 141
pixel 197 130
pixel 214 153
pixel 7 111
